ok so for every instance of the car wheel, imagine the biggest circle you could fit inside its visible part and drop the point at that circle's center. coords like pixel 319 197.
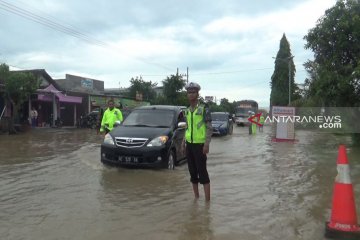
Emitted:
pixel 171 160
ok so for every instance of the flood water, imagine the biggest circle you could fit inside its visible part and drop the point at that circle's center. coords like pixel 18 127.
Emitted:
pixel 53 186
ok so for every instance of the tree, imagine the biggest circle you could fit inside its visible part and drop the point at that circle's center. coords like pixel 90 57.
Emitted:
pixel 226 105
pixel 214 107
pixel 334 74
pixel 18 88
pixel 280 79
pixel 173 87
pixel 139 86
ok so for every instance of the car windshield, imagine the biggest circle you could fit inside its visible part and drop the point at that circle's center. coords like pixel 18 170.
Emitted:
pixel 219 117
pixel 150 118
pixel 244 111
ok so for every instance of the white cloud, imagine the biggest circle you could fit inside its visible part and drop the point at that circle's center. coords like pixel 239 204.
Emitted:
pixel 237 41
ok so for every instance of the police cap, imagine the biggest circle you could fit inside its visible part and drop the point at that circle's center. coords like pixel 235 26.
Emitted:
pixel 192 85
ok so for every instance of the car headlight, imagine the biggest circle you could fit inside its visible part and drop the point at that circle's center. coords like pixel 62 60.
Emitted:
pixel 108 139
pixel 159 141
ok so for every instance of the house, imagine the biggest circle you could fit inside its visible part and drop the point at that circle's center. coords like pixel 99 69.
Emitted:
pixel 94 95
pixel 50 101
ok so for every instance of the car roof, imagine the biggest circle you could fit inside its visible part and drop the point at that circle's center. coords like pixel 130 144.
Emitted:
pixel 220 112
pixel 161 107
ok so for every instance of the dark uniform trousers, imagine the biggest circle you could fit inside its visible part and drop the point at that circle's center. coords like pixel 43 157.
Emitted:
pixel 196 160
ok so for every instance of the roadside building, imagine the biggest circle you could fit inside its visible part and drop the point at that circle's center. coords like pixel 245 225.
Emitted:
pixel 94 95
pixel 51 102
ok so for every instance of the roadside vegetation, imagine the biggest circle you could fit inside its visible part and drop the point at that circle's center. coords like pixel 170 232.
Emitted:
pixel 334 73
pixel 18 87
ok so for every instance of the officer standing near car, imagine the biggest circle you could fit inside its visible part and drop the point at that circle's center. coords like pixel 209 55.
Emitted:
pixel 197 140
pixel 111 115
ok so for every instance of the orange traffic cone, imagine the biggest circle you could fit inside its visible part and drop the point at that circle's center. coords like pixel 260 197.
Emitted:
pixel 343 221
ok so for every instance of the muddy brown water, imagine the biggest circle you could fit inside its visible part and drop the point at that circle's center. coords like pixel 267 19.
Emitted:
pixel 53 186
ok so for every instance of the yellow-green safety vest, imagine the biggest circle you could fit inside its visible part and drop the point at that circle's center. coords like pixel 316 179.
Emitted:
pixel 110 117
pixel 262 119
pixel 196 127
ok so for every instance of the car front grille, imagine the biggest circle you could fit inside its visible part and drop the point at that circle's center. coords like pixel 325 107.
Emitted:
pixel 130 142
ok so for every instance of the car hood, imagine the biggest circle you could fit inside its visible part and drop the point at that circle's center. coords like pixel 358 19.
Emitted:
pixel 217 123
pixel 139 132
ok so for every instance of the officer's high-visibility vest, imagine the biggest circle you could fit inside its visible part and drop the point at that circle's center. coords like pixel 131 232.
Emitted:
pixel 196 127
pixel 109 118
pixel 262 119
pixel 253 128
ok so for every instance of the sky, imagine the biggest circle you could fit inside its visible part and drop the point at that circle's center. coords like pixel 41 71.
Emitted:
pixel 227 46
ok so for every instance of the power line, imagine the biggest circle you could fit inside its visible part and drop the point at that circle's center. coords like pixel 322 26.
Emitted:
pixel 217 73
pixel 48 23
pixel 22 12
pixel 230 72
pixel 72 31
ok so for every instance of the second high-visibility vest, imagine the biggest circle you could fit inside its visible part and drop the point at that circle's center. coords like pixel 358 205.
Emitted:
pixel 109 118
pixel 196 127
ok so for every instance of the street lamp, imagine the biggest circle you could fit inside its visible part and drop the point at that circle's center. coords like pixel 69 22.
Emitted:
pixel 287 59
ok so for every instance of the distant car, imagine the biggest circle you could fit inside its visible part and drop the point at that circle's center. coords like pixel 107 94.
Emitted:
pixel 150 136
pixel 222 123
pixel 90 120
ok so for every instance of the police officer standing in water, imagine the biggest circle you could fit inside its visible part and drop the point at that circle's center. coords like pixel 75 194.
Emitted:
pixel 197 140
pixel 110 117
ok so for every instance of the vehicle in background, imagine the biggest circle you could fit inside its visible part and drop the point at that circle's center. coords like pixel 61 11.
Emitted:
pixel 93 119
pixel 151 136
pixel 222 123
pixel 242 111
pixel 89 121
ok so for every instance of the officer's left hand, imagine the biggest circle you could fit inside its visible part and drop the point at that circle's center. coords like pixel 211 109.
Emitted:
pixel 206 149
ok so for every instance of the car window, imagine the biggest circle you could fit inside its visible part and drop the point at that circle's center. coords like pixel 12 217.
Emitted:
pixel 219 117
pixel 181 117
pixel 150 118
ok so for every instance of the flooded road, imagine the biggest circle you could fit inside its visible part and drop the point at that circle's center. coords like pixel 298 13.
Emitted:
pixel 53 186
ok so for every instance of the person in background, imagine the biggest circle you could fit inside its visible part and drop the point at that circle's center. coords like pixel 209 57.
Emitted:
pixel 99 119
pixel 261 121
pixel 33 116
pixel 111 115
pixel 252 126
pixel 197 140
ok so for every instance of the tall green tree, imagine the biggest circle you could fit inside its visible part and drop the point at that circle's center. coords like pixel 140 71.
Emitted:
pixel 280 79
pixel 214 107
pixel 139 86
pixel 334 74
pixel 226 105
pixel 173 90
pixel 18 88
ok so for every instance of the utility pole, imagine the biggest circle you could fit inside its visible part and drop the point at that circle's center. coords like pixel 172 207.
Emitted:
pixel 290 80
pixel 187 74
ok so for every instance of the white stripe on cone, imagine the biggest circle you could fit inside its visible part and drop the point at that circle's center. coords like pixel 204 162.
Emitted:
pixel 343 174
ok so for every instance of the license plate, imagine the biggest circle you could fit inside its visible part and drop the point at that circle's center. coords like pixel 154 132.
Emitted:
pixel 128 159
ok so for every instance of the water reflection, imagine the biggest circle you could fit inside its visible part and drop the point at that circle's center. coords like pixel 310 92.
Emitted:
pixel 53 184
pixel 141 186
pixel 197 222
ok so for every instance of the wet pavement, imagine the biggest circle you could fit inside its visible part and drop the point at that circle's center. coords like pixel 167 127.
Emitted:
pixel 53 186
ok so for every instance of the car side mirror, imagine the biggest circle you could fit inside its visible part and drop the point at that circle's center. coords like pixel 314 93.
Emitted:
pixel 182 125
pixel 117 123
